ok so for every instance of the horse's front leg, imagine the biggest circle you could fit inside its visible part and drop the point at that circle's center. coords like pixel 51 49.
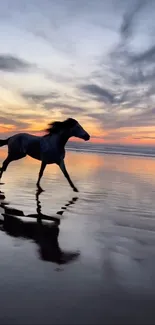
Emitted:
pixel 63 168
pixel 42 168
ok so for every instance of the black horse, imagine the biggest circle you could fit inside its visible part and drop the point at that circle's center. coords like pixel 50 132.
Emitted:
pixel 49 149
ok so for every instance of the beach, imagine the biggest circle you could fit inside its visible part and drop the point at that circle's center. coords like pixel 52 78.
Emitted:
pixel 95 264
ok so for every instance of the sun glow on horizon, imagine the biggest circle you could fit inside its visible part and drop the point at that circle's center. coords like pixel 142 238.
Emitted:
pixel 133 136
pixel 53 67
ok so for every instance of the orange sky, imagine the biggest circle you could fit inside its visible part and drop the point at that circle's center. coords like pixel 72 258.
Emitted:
pixel 129 136
pixel 98 68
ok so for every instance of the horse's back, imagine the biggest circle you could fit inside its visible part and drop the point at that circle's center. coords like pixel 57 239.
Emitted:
pixel 25 144
pixel 44 148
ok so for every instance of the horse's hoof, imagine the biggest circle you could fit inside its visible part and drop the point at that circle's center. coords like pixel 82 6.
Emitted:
pixel 39 189
pixel 75 189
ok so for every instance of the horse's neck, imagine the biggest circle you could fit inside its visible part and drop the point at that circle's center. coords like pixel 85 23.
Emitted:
pixel 60 139
pixel 63 138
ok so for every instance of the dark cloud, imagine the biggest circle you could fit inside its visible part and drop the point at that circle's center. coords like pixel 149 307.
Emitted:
pixel 121 55
pixel 130 18
pixel 13 122
pixel 129 65
pixel 65 108
pixel 127 84
pixel 10 63
pixel 132 75
pixel 39 98
pixel 100 93
pixel 113 100
pixel 49 102
pixel 114 119
pixel 21 116
pixel 147 56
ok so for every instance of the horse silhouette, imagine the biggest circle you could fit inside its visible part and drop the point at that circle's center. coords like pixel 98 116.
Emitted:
pixel 49 149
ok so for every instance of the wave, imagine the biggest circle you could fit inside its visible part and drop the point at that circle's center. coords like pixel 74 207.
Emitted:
pixel 113 150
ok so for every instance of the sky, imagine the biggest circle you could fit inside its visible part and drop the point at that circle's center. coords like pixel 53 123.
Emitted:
pixel 90 60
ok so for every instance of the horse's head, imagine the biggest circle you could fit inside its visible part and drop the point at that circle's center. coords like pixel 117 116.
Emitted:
pixel 76 130
pixel 70 126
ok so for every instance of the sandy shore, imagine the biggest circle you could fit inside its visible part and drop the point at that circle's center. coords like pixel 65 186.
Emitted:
pixel 91 260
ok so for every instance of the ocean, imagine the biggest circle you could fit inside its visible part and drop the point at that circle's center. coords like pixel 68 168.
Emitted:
pixel 130 150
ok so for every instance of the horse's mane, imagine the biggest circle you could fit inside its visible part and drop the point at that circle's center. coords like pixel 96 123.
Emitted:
pixel 57 126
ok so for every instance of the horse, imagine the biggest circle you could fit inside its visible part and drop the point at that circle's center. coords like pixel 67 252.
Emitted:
pixel 49 148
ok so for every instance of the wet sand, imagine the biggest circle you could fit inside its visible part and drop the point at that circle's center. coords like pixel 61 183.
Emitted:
pixel 78 258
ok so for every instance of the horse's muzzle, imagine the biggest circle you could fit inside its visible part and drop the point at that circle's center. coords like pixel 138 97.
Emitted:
pixel 86 137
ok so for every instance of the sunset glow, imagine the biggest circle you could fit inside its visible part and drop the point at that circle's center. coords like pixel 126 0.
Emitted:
pixel 97 68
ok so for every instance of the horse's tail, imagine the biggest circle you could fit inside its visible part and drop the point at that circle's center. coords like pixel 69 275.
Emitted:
pixel 3 142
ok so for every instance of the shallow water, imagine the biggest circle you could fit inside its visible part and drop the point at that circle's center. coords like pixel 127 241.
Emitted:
pixel 98 264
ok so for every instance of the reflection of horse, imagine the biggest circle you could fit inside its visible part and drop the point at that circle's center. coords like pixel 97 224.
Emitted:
pixel 49 149
pixel 44 234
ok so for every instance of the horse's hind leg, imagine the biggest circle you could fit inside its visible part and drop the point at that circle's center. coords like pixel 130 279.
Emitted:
pixel 7 161
pixel 5 165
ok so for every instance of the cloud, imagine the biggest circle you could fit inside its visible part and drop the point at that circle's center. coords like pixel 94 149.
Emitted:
pixel 114 71
pixel 49 101
pixel 10 63
pixel 129 19
pixel 145 137
pixel 147 56
pixel 100 93
pixel 13 122
pixel 131 78
pixel 122 54
pixel 20 115
pixel 39 97
pixel 121 119
pixel 65 108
